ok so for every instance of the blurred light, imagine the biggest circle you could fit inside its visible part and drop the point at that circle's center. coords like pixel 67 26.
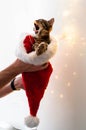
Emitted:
pixel 84 43
pixel 66 13
pixel 65 65
pixel 61 96
pixel 74 73
pixel 71 5
pixel 68 84
pixel 56 77
pixel 52 92
pixel 66 54
pixel 81 54
pixel 69 34
pixel 82 38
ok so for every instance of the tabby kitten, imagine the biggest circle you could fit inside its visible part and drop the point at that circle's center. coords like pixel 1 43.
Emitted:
pixel 42 29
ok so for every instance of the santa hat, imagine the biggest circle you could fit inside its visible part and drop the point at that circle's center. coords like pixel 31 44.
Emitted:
pixel 35 83
pixel 32 57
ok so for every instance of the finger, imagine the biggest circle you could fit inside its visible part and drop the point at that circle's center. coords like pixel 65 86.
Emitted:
pixel 43 66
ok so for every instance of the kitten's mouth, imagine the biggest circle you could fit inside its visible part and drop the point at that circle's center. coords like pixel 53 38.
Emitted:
pixel 36 28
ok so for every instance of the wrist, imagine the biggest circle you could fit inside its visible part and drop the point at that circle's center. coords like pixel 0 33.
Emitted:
pixel 14 85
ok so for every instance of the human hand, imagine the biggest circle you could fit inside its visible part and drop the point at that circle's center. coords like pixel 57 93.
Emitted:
pixel 24 67
pixel 16 68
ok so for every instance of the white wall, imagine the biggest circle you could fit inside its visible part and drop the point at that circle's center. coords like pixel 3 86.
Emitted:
pixel 63 106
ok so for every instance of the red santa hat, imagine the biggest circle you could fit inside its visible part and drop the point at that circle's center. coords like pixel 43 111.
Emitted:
pixel 32 57
pixel 35 83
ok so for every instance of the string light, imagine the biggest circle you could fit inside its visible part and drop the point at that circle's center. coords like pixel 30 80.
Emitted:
pixel 81 54
pixel 74 73
pixel 66 54
pixel 56 77
pixel 52 92
pixel 66 65
pixel 66 13
pixel 61 95
pixel 84 43
pixel 68 84
pixel 69 34
pixel 82 38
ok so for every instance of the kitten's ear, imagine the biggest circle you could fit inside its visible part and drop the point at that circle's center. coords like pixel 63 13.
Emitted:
pixel 51 21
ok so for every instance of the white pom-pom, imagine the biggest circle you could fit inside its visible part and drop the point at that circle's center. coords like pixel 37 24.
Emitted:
pixel 31 121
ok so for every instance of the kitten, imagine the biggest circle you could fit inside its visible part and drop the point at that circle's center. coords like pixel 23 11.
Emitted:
pixel 42 29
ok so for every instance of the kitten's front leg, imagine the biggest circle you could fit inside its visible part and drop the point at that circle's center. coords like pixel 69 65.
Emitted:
pixel 35 46
pixel 42 47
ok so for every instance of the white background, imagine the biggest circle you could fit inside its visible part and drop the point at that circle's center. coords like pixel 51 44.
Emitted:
pixel 64 104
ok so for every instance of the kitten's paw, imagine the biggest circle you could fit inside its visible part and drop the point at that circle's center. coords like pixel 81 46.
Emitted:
pixel 41 48
pixel 35 46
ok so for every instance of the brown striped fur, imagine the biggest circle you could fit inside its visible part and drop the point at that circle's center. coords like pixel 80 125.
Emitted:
pixel 42 30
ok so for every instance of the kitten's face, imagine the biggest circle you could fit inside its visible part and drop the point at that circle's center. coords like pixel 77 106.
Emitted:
pixel 42 24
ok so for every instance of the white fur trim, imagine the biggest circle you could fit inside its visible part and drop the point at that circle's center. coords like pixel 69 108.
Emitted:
pixel 32 57
pixel 32 121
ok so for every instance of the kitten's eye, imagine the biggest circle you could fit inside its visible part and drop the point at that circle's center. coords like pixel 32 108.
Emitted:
pixel 36 26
